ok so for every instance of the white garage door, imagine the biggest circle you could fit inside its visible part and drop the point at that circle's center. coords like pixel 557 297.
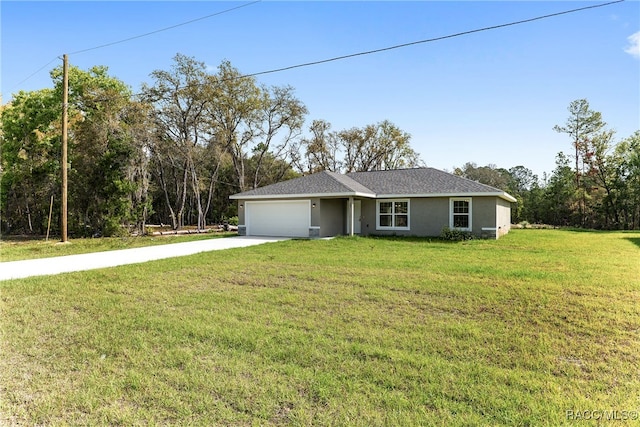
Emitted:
pixel 278 218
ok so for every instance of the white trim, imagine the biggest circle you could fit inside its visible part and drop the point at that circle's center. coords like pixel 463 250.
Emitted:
pixel 353 221
pixel 393 214
pixel 469 214
pixel 301 196
pixel 490 228
pixel 502 195
pixel 315 227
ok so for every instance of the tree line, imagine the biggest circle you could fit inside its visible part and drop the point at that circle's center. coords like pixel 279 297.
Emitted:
pixel 596 187
pixel 172 154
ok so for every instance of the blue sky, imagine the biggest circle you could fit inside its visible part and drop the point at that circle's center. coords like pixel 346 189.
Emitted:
pixel 491 97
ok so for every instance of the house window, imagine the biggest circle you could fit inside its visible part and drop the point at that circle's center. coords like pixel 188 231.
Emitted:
pixel 460 214
pixel 393 214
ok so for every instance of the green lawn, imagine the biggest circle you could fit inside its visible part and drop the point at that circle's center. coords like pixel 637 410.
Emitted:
pixel 349 331
pixel 13 249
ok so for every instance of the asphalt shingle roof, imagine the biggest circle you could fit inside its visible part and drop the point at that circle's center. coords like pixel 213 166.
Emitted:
pixel 318 183
pixel 419 181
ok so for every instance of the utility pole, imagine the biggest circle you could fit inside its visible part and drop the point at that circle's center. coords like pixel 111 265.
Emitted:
pixel 65 162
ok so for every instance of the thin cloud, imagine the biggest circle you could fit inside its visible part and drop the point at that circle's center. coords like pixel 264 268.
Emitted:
pixel 634 45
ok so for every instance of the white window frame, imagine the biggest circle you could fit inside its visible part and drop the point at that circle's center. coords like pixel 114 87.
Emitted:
pixel 452 213
pixel 393 214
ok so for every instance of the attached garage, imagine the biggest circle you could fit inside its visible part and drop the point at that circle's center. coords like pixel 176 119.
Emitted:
pixel 288 218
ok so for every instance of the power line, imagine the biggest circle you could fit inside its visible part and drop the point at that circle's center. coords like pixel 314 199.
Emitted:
pixel 464 33
pixel 138 37
pixel 165 29
pixel 34 73
pixel 369 52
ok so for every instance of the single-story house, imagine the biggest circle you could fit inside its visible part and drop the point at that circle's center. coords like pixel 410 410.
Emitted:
pixel 411 202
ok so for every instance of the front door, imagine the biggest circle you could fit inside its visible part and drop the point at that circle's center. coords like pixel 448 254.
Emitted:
pixel 357 217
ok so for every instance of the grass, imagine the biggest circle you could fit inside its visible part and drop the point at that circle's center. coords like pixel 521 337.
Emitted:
pixel 350 331
pixel 14 249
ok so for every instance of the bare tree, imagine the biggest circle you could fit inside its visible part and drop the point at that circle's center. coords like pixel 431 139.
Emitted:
pixel 179 98
pixel 233 113
pixel 378 146
pixel 282 114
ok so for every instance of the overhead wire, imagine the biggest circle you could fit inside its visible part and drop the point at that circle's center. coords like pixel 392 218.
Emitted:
pixel 352 55
pixel 138 37
pixel 398 46
pixel 34 73
pixel 463 33
pixel 166 28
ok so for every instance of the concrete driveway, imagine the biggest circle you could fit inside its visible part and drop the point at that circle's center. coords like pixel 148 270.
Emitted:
pixel 70 263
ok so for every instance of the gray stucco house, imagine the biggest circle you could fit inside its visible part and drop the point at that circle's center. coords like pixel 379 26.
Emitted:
pixel 411 202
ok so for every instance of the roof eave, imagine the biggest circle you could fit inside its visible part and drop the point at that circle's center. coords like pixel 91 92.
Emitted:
pixel 500 194
pixel 239 196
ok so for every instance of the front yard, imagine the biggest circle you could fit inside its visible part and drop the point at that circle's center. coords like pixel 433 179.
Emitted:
pixel 537 328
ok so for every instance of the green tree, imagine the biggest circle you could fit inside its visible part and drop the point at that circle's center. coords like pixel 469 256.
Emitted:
pixel 103 133
pixel 137 120
pixel 318 152
pixel 488 175
pixel 581 125
pixel 205 122
pixel 253 122
pixel 523 185
pixel 277 130
pixel 234 114
pixel 533 206
pixel 182 135
pixel 379 146
pixel 30 146
pixel 600 179
pixel 103 149
pixel 522 179
pixel 626 163
pixel 560 195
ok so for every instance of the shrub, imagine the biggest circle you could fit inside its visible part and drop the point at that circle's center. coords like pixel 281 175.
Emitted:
pixel 455 235
pixel 113 228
